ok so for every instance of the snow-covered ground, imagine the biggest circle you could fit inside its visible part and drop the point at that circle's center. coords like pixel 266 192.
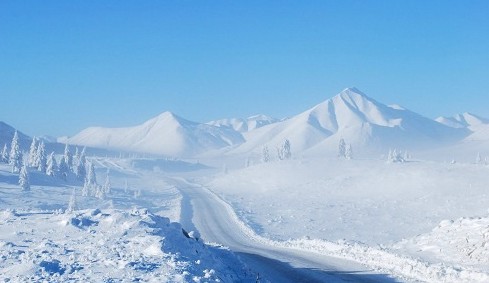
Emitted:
pixel 377 213
pixel 130 236
pixel 400 219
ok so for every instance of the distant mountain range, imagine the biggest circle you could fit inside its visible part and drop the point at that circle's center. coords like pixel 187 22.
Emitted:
pixel 367 124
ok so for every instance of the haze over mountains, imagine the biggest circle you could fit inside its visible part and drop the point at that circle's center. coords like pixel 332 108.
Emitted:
pixel 370 126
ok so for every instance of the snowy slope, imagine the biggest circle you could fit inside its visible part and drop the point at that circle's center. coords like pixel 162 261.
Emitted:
pixel 7 133
pixel 465 120
pixel 244 125
pixel 357 118
pixel 166 134
pixel 478 139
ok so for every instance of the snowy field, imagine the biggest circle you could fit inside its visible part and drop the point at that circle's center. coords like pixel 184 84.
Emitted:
pixel 130 236
pixel 402 219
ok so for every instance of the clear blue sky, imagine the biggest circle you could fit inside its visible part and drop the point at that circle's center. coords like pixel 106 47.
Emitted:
pixel 67 65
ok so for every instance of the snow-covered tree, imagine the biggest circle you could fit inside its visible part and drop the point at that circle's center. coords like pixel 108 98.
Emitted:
pixel 76 157
pixel 407 155
pixel 265 154
pixel 99 192
pixel 15 157
pixel 284 151
pixel 126 186
pixel 395 156
pixel 41 159
pixel 4 156
pixel 63 169
pixel 80 169
pixel 349 152
pixel 107 186
pixel 341 148
pixel 137 193
pixel 72 202
pixel 478 158
pixel 51 165
pixel 90 185
pixel 68 157
pixel 24 179
pixel 33 153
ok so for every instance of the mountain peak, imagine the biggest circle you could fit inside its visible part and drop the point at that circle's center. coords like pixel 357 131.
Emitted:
pixel 351 93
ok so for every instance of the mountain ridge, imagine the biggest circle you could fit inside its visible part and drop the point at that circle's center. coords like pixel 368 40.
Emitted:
pixel 366 123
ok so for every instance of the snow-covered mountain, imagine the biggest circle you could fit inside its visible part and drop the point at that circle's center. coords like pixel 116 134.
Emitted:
pixel 7 133
pixel 478 140
pixel 367 124
pixel 465 120
pixel 360 120
pixel 166 134
pixel 244 125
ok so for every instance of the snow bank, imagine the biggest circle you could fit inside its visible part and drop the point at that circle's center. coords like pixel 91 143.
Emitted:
pixel 463 241
pixel 108 246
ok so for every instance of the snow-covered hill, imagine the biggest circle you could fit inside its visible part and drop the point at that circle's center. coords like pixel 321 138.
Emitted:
pixel 370 126
pixel 478 139
pixel 166 134
pixel 7 133
pixel 465 120
pixel 360 120
pixel 244 125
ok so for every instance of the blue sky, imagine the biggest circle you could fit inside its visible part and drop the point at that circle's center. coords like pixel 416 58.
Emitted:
pixel 67 65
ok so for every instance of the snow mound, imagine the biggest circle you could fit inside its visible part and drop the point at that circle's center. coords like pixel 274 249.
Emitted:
pixel 166 134
pixel 108 246
pixel 463 241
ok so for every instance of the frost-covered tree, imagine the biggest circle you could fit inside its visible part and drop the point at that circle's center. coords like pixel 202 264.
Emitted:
pixel 407 155
pixel 15 157
pixel 349 152
pixel 72 202
pixel 24 179
pixel 63 169
pixel 76 157
pixel 126 186
pixel 68 157
pixel 33 153
pixel 478 158
pixel 4 156
pixel 265 154
pixel 341 148
pixel 137 193
pixel 41 160
pixel 80 169
pixel 51 165
pixel 395 156
pixel 284 151
pixel 90 185
pixel 100 192
pixel 107 186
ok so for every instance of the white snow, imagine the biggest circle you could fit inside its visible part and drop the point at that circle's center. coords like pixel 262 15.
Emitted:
pixel 425 219
pixel 166 134
pixel 245 125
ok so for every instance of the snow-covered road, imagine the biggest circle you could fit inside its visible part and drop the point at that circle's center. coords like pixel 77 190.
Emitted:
pixel 216 221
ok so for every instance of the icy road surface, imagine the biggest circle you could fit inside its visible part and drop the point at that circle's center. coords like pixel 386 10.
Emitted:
pixel 215 220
